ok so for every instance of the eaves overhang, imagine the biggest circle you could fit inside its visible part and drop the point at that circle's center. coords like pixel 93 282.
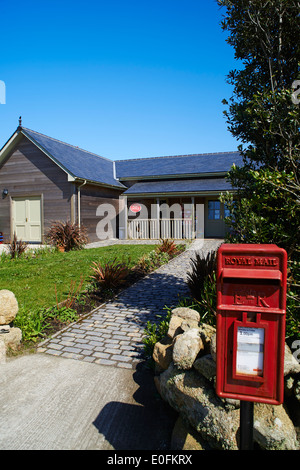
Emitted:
pixel 174 176
pixel 178 194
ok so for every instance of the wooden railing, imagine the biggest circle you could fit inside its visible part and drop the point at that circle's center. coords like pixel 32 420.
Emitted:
pixel 153 229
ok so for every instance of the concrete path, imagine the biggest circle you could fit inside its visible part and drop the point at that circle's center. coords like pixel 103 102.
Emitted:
pixel 87 387
pixel 54 403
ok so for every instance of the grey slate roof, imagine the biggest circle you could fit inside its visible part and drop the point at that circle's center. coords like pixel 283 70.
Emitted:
pixel 79 163
pixel 177 165
pixel 204 185
pixel 176 171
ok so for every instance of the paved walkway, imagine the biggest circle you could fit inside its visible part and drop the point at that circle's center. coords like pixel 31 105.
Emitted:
pixel 112 334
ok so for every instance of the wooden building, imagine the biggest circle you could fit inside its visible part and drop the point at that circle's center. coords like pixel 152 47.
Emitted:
pixel 44 180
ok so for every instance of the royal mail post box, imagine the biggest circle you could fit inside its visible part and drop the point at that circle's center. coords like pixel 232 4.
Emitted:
pixel 251 302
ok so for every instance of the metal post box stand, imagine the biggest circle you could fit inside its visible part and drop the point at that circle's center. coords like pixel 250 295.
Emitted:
pixel 246 425
pixel 251 308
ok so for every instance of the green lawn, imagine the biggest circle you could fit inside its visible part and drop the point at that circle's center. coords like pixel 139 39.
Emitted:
pixel 33 280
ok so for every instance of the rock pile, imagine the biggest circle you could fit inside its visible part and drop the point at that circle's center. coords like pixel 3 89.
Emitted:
pixel 185 378
pixel 10 337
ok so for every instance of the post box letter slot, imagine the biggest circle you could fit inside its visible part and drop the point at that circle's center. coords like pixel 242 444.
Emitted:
pixel 251 274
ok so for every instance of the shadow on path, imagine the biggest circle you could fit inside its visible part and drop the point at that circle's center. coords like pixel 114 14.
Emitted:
pixel 146 425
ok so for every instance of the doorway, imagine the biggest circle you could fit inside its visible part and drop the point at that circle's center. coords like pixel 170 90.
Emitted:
pixel 27 218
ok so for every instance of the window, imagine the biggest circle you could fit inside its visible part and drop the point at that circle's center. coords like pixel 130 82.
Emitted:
pixel 226 211
pixel 214 210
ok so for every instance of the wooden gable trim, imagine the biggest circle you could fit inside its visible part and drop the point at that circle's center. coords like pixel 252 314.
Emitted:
pixel 9 145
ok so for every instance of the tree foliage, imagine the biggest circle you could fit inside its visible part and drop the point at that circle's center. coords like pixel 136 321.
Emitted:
pixel 261 114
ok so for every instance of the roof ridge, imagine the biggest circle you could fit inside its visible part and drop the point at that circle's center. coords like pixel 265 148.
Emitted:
pixel 66 143
pixel 177 156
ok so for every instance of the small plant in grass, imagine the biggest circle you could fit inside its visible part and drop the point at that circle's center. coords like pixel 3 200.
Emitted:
pixel 67 235
pixel 72 294
pixel 16 247
pixel 110 275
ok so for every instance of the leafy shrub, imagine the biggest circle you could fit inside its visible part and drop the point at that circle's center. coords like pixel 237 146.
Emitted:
pixel 111 274
pixel 153 260
pixel 201 281
pixel 63 314
pixel 35 324
pixel 16 247
pixel 167 246
pixel 32 324
pixel 207 304
pixel 154 332
pixel 67 235
pixel 162 254
pixel 200 269
pixel 293 302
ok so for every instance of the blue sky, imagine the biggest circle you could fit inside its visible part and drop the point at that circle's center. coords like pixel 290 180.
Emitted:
pixel 121 78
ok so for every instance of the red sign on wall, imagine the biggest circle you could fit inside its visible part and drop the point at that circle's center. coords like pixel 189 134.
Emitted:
pixel 135 208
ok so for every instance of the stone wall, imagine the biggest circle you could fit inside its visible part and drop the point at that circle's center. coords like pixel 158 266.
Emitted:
pixel 10 337
pixel 185 378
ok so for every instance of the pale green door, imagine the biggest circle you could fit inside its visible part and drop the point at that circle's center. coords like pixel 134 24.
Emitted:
pixel 27 218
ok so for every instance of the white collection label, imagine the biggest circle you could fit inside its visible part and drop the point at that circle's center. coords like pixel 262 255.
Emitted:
pixel 250 351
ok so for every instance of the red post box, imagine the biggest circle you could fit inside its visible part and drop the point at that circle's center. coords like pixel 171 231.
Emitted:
pixel 251 298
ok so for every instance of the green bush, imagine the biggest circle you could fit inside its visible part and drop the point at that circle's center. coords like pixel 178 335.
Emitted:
pixel 201 280
pixel 201 269
pixel 153 260
pixel 35 324
pixel 62 314
pixel 67 235
pixel 32 324
pixel 154 332
pixel 293 303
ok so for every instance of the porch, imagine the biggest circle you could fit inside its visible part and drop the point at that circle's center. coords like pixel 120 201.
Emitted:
pixel 148 229
pixel 178 218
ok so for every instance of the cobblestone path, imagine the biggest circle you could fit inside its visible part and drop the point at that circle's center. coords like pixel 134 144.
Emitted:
pixel 112 334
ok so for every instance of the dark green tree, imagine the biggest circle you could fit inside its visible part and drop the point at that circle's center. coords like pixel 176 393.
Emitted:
pixel 264 115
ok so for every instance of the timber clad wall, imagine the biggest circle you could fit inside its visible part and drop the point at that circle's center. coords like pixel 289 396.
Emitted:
pixel 28 172
pixel 91 198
